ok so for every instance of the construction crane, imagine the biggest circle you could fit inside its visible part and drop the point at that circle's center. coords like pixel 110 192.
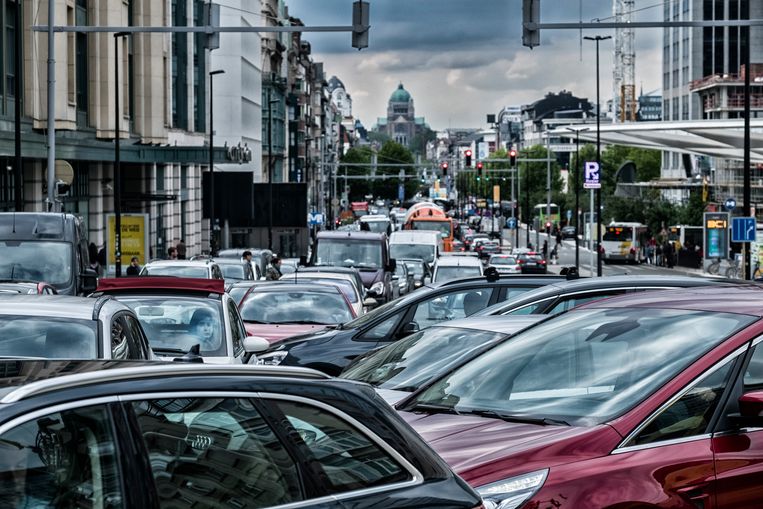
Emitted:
pixel 624 70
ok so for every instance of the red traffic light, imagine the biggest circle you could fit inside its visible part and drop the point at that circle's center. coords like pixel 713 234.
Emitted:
pixel 512 153
pixel 468 153
pixel 479 165
pixel 444 165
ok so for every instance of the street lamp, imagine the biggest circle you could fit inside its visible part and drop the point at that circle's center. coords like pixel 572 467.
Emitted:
pixel 578 185
pixel 212 233
pixel 117 163
pixel 270 169
pixel 598 39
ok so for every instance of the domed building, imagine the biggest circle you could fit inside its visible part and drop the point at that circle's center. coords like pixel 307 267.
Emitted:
pixel 401 124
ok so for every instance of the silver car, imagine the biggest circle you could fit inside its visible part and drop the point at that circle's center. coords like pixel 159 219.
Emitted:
pixel 67 327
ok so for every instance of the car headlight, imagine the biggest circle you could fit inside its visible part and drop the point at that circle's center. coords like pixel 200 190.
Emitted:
pixel 512 492
pixel 377 288
pixel 271 358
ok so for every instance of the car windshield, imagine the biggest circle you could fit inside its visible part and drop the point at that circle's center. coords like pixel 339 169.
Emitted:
pixel 36 261
pixel 448 273
pixel 348 289
pixel 439 226
pixel 377 226
pixel 584 367
pixel 49 338
pixel 175 324
pixel 297 306
pixel 411 362
pixel 421 251
pixel 349 253
pixel 416 268
pixel 231 271
pixel 503 260
pixel 175 270
pixel 618 233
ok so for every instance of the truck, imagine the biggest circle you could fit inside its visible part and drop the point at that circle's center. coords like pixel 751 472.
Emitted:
pixel 46 246
pixel 429 216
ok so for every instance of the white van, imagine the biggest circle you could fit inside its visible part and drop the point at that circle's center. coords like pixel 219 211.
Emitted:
pixel 376 223
pixel 456 267
pixel 422 244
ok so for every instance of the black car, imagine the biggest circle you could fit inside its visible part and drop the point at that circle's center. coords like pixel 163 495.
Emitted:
pixel 330 350
pixel 569 232
pixel 94 434
pixel 560 296
pixel 532 263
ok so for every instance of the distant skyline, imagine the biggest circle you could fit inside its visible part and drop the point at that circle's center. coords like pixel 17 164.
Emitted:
pixel 462 60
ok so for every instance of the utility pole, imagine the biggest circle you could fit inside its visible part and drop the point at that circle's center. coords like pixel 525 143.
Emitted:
pixel 18 187
pixel 51 103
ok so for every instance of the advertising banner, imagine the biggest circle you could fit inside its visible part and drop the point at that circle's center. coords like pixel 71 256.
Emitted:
pixel 134 239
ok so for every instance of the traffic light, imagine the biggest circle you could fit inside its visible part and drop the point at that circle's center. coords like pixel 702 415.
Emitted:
pixel 479 169
pixel 530 20
pixel 444 168
pixel 513 157
pixel 360 24
pixel 548 227
pixel 468 158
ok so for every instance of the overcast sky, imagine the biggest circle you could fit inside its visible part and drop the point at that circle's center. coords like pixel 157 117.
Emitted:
pixel 462 59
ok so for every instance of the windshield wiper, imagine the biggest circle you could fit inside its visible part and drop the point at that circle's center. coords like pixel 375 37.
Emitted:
pixel 257 321
pixel 433 409
pixel 541 421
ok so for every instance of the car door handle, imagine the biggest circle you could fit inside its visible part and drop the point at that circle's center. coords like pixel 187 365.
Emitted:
pixel 697 494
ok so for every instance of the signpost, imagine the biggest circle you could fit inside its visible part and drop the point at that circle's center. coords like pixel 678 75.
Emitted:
pixel 592 175
pixel 511 223
pixel 730 204
pixel 743 229
pixel 134 239
pixel 716 234
pixel 315 219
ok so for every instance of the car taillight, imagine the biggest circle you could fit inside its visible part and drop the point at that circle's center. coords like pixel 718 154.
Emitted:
pixel 543 262
pixel 520 262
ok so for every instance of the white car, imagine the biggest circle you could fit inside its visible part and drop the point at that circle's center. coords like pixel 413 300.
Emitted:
pixel 201 269
pixel 456 267
pixel 345 282
pixel 505 264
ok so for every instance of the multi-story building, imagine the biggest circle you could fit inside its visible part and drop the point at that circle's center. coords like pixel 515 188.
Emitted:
pixel 702 79
pixel 162 118
pixel 649 107
pixel 401 123
pixel 563 107
pixel 274 87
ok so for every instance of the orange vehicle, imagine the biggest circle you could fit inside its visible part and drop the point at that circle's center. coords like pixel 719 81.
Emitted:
pixel 428 216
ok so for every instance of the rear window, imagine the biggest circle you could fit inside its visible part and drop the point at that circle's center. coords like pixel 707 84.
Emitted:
pixel 175 270
pixel 48 338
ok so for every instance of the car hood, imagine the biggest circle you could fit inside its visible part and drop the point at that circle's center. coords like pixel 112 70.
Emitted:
pixel 371 276
pixel 275 333
pixel 320 334
pixel 484 450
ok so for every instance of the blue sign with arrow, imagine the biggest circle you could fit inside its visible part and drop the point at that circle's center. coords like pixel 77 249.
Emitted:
pixel 743 229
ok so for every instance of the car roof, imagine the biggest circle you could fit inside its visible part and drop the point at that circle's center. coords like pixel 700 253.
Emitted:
pixel 330 268
pixel 499 324
pixel 744 299
pixel 513 279
pixel 161 283
pixel 317 275
pixel 601 283
pixel 55 306
pixel 229 261
pixel 297 287
pixel 458 261
pixel 359 235
pixel 202 262
pixel 23 379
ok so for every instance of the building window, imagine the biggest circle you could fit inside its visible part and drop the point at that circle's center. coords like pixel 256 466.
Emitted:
pixel 179 67
pixel 81 59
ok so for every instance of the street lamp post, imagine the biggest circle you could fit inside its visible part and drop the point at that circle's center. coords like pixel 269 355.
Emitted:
pixel 578 185
pixel 598 39
pixel 212 233
pixel 117 163
pixel 270 169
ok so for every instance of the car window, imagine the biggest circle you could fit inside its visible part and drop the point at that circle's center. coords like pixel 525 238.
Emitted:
pixel 514 291
pixel 238 332
pixel 382 330
pixel 213 451
pixel 690 415
pixel 753 374
pixel 237 293
pixel 571 301
pixel 138 343
pixel 63 459
pixel 344 456
pixel 530 309
pixel 451 306
pixel 120 347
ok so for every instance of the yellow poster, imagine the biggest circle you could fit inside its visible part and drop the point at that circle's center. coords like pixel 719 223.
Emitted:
pixel 134 238
pixel 496 194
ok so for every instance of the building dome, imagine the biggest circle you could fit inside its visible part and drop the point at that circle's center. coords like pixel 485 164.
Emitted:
pixel 400 95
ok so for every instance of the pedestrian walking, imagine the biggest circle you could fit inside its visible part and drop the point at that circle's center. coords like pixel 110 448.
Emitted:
pixel 273 273
pixel 181 250
pixel 134 268
pixel 545 250
pixel 92 251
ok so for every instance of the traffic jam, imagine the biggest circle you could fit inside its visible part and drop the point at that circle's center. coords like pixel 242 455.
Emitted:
pixel 410 359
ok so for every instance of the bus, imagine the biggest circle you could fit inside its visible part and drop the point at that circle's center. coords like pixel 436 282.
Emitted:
pixel 682 235
pixel 540 212
pixel 428 216
pixel 624 242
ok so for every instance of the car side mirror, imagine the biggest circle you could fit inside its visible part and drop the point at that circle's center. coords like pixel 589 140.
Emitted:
pixel 409 328
pixel 88 281
pixel 370 302
pixel 255 344
pixel 395 277
pixel 303 260
pixel 392 265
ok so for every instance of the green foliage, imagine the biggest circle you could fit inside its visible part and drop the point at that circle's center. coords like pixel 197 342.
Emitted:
pixel 358 188
pixel 394 153
pixel 533 177
pixel 419 142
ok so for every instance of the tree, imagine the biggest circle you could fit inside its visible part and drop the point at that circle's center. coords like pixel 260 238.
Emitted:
pixel 393 153
pixel 419 142
pixel 536 172
pixel 360 155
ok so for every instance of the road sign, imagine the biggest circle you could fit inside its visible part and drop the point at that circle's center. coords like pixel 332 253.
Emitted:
pixel 730 204
pixel 592 175
pixel 511 223
pixel 315 219
pixel 569 215
pixel 743 229
pixel 334 202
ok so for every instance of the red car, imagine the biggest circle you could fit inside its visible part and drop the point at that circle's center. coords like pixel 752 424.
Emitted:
pixel 279 311
pixel 653 400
